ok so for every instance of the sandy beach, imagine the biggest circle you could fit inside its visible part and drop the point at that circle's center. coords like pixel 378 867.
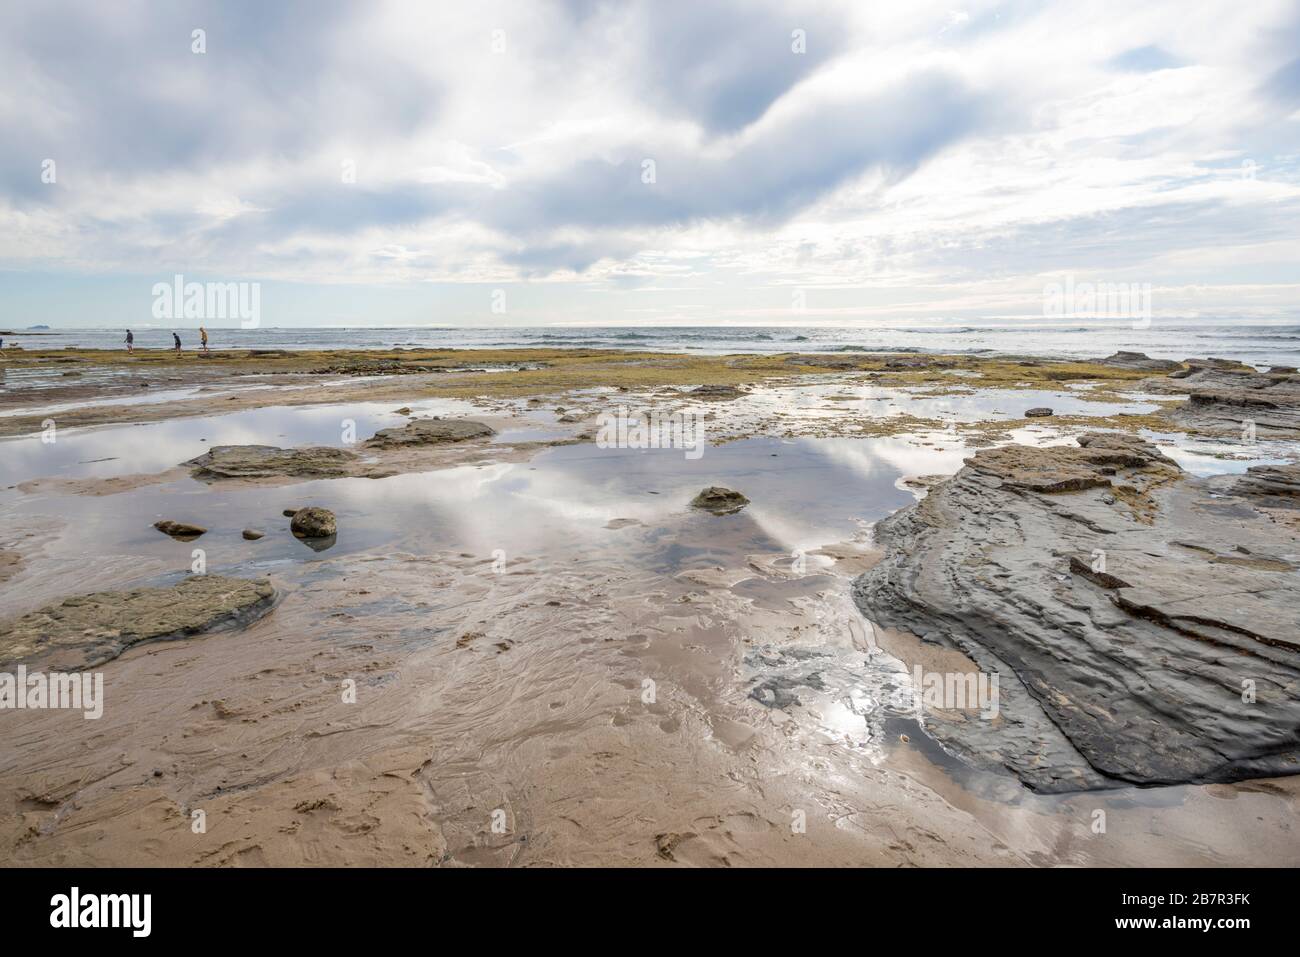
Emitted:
pixel 519 644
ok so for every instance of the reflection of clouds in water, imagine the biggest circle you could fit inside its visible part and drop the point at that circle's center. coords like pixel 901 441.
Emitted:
pixel 155 446
pixel 814 402
pixel 1201 459
pixel 811 493
pixel 149 398
pixel 896 456
pixel 495 506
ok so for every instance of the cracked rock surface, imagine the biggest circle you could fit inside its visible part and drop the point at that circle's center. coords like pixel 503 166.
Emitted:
pixel 1132 612
pixel 88 630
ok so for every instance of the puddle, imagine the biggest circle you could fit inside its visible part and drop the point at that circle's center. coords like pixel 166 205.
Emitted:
pixel 832 401
pixel 527 603
pixel 103 452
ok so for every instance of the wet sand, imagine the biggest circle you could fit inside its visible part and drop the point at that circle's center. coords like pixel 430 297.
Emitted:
pixel 555 660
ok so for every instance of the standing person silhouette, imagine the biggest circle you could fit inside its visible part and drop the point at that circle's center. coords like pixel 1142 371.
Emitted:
pixel 178 341
pixel 203 338
pixel 130 342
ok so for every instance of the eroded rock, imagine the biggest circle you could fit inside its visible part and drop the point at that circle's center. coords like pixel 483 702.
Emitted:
pixel 267 461
pixel 429 432
pixel 1097 582
pixel 716 393
pixel 1277 485
pixel 181 530
pixel 719 500
pixel 1139 360
pixel 1227 398
pixel 313 522
pixel 88 630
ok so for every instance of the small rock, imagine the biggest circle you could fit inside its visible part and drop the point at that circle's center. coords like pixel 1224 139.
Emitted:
pixel 404 410
pixel 716 393
pixel 253 534
pixel 179 529
pixel 290 512
pixel 1038 412
pixel 719 500
pixel 313 522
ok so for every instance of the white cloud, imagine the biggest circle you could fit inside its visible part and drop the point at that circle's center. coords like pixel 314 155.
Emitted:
pixel 917 157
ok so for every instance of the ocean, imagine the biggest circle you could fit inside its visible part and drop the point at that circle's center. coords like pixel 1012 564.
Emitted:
pixel 1257 344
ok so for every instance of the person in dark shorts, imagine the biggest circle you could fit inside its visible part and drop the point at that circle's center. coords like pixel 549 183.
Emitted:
pixel 130 341
pixel 203 338
pixel 178 341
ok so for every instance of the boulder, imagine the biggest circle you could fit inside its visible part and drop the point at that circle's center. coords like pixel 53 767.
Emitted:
pixel 313 522
pixel 719 500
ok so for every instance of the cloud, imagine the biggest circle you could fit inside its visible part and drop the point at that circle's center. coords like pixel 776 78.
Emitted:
pixel 1146 59
pixel 919 144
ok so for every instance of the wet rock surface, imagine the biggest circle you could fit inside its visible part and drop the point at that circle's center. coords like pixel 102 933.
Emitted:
pixel 1224 396
pixel 1139 360
pixel 1128 609
pixel 716 393
pixel 88 630
pixel 181 530
pixel 429 432
pixel 719 500
pixel 313 522
pixel 267 461
pixel 1271 485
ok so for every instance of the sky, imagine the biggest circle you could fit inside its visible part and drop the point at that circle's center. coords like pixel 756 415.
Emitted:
pixel 706 162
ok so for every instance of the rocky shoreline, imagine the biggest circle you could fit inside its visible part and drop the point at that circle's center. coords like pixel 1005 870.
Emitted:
pixel 1145 625
pixel 500 594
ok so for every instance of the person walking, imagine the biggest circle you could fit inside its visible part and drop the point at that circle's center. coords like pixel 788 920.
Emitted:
pixel 203 339
pixel 178 342
pixel 130 342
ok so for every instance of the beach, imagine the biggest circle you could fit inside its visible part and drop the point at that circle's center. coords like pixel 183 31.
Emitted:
pixel 518 643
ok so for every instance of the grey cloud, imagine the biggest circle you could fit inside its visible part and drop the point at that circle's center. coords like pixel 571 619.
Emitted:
pixel 811 152
pixel 722 63
pixel 1284 84
pixel 120 89
pixel 1116 242
pixel 1146 59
